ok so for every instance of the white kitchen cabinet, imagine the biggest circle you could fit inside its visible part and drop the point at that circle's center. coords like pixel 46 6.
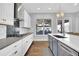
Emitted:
pixel 17 51
pixel 13 49
pixel 18 48
pixel 27 41
pixel 53 45
pixel 64 50
pixel 27 22
pixel 7 13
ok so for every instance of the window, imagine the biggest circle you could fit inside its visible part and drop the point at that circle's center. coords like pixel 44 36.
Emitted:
pixel 63 27
pixel 43 26
pixel 59 26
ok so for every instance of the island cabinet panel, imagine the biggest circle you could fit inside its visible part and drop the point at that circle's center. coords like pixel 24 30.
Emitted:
pixel 59 46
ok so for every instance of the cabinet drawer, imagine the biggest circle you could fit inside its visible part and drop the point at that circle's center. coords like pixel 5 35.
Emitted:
pixel 16 52
pixel 8 50
pixel 13 53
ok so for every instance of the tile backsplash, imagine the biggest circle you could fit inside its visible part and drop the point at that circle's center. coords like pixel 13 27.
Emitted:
pixel 24 30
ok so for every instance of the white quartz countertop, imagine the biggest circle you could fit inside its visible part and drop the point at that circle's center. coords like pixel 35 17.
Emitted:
pixel 70 40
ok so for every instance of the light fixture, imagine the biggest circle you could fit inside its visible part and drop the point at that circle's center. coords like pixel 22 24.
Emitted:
pixel 58 15
pixel 38 8
pixel 75 4
pixel 60 12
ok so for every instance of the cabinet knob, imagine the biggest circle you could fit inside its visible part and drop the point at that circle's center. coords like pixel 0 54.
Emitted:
pixel 15 52
pixel 4 19
pixel 15 46
pixel 26 41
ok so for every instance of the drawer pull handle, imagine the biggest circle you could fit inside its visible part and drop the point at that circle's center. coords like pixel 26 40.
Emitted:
pixel 15 52
pixel 15 46
pixel 26 41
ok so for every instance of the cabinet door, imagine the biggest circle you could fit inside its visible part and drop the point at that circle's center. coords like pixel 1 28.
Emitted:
pixel 50 42
pixel 13 53
pixel 6 51
pixel 7 13
pixel 25 45
pixel 17 51
pixel 29 21
pixel 27 41
pixel 55 47
pixel 26 19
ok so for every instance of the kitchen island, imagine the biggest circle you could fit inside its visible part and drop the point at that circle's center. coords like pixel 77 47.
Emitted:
pixel 71 41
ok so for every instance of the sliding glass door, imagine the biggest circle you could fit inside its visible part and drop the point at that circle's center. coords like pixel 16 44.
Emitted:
pixel 43 26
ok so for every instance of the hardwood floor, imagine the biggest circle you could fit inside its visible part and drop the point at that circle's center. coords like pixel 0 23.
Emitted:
pixel 37 48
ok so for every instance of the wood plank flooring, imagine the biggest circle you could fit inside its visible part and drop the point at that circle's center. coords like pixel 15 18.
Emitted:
pixel 37 48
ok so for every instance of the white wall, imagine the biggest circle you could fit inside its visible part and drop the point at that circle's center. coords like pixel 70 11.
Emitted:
pixel 42 16
pixel 2 31
pixel 74 21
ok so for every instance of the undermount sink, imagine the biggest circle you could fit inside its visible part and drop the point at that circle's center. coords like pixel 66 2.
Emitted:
pixel 59 36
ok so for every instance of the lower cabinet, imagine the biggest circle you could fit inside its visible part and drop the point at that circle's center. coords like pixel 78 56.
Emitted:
pixel 60 49
pixel 50 42
pixel 18 48
pixel 17 51
pixel 13 49
pixel 55 46
pixel 64 50
pixel 27 41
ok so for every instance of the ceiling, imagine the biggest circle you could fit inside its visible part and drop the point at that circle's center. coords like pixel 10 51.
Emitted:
pixel 51 7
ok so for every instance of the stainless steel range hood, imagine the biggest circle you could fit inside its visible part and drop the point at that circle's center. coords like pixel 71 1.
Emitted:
pixel 17 7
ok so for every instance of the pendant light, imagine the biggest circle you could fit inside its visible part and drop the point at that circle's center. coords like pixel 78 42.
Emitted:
pixel 60 12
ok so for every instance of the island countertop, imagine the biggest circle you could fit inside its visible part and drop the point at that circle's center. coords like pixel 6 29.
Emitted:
pixel 70 40
pixel 10 40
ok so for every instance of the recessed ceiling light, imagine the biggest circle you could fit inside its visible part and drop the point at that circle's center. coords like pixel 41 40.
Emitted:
pixel 38 8
pixel 75 4
pixel 49 8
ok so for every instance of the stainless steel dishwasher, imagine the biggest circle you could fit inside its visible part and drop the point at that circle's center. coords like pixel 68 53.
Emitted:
pixel 64 50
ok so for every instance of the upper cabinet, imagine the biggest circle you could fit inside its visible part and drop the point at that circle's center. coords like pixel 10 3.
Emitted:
pixel 7 13
pixel 26 22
